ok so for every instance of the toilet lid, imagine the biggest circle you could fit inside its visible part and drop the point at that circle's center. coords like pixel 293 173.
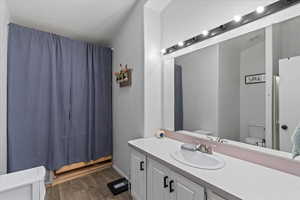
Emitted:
pixel 203 132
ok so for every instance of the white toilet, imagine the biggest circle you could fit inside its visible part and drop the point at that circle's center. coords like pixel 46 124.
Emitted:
pixel 256 134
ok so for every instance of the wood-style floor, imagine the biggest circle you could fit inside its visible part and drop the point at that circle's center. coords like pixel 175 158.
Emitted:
pixel 90 187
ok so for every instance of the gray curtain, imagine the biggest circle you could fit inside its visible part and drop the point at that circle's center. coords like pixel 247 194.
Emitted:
pixel 178 98
pixel 59 100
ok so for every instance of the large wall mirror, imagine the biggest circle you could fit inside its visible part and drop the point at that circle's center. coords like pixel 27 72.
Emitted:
pixel 221 90
pixel 216 91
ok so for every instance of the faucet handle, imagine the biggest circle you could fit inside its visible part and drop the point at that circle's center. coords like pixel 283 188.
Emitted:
pixel 222 141
pixel 201 147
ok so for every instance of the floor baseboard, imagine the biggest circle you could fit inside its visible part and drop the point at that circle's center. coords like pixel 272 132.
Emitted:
pixel 80 165
pixel 120 171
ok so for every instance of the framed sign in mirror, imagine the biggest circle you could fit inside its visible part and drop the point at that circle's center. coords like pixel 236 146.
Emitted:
pixel 255 78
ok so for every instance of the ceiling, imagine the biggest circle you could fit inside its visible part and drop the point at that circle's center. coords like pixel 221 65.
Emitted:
pixel 90 20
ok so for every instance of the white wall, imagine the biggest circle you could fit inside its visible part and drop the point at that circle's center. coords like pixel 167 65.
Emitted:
pixel 285 41
pixel 184 19
pixel 289 42
pixel 229 91
pixel 4 19
pixel 200 89
pixel 152 72
pixel 128 102
pixel 252 97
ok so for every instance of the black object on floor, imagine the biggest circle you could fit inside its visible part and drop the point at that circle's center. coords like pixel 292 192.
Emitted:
pixel 118 186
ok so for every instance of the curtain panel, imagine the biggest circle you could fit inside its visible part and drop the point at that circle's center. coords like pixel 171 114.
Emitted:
pixel 178 93
pixel 59 100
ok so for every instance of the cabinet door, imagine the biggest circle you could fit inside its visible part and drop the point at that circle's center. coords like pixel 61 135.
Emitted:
pixel 183 189
pixel 138 175
pixel 157 181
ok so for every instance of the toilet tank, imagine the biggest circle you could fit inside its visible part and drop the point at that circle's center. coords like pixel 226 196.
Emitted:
pixel 203 132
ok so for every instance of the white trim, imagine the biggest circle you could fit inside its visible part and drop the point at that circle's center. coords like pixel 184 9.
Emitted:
pixel 122 173
pixel 152 72
pixel 3 85
pixel 281 16
pixel 157 5
pixel 269 84
pixel 10 184
pixel 168 95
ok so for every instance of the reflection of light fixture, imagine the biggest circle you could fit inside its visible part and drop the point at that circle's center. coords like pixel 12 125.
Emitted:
pixel 237 21
pixel 260 9
pixel 180 44
pixel 222 27
pixel 237 18
pixel 205 33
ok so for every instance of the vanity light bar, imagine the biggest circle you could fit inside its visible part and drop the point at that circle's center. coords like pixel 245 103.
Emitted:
pixel 237 21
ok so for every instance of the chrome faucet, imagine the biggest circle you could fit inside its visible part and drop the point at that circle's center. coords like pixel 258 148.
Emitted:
pixel 217 139
pixel 204 148
pixel 220 140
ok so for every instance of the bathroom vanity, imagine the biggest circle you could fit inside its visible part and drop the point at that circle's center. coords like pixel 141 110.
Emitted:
pixel 159 182
pixel 156 175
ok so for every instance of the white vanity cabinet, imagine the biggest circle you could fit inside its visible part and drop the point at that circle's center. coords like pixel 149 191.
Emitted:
pixel 186 190
pixel 151 180
pixel 138 175
pixel 164 184
pixel 158 178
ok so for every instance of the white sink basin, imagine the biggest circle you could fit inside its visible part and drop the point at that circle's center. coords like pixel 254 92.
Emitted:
pixel 198 159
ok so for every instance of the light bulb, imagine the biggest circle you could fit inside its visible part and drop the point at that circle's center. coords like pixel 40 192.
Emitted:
pixel 180 44
pixel 163 51
pixel 237 18
pixel 205 33
pixel 260 9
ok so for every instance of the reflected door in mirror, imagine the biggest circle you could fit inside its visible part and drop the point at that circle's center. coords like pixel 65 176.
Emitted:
pixel 289 100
